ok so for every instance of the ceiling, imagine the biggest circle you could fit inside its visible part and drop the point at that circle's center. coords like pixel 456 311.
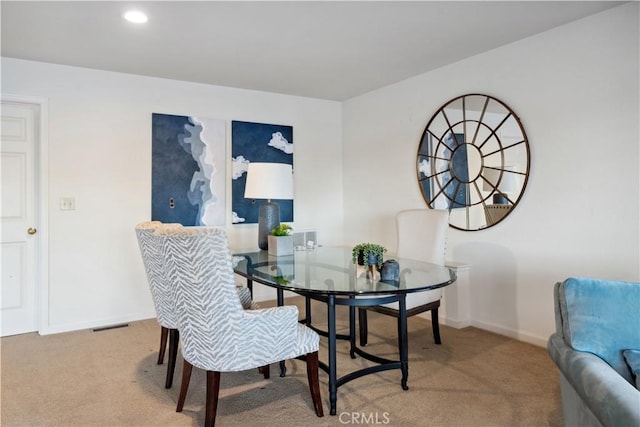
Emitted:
pixel 322 49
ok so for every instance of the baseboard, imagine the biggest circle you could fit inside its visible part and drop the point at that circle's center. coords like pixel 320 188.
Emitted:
pixel 453 323
pixel 517 335
pixel 457 324
pixel 511 333
pixel 70 327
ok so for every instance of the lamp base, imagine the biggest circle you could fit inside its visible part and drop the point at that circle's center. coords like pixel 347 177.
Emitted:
pixel 500 199
pixel 268 219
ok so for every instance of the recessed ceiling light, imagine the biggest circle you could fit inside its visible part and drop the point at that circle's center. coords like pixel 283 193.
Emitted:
pixel 136 16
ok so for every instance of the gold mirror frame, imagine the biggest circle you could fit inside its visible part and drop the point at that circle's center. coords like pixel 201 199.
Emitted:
pixel 474 161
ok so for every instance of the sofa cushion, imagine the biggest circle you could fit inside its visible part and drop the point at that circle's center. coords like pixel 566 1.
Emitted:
pixel 601 317
pixel 633 360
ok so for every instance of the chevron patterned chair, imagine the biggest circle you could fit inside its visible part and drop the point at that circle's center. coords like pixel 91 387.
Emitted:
pixel 422 235
pixel 217 334
pixel 161 293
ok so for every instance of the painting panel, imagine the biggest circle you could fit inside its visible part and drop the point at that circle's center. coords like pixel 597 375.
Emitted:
pixel 458 190
pixel 257 142
pixel 425 178
pixel 450 190
pixel 188 170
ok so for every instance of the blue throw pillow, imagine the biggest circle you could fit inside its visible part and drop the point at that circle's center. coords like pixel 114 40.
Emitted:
pixel 633 360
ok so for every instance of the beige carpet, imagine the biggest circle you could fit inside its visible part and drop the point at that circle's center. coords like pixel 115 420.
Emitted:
pixel 110 378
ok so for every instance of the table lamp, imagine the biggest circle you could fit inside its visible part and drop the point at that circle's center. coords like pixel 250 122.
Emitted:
pixel 509 182
pixel 268 181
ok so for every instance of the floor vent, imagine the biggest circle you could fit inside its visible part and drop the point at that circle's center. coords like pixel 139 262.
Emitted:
pixel 106 328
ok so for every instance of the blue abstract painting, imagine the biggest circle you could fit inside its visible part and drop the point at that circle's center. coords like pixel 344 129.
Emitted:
pixel 439 186
pixel 257 142
pixel 188 170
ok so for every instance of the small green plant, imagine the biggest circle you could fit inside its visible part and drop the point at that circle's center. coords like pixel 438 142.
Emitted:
pixel 281 230
pixel 282 280
pixel 367 250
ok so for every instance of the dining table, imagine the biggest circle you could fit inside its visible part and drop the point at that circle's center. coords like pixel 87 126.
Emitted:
pixel 330 275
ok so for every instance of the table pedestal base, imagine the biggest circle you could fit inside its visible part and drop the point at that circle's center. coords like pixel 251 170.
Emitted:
pixel 383 363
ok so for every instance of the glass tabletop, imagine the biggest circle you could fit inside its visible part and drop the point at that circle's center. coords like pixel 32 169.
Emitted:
pixel 330 270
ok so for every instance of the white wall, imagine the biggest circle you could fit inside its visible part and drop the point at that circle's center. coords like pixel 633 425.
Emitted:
pixel 100 153
pixel 576 91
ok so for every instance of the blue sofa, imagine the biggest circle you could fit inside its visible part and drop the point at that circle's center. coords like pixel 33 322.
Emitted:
pixel 597 321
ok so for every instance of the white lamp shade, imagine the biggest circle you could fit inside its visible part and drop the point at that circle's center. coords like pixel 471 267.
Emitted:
pixel 269 181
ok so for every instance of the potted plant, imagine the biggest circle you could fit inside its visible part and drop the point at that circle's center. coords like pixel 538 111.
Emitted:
pixel 368 255
pixel 280 241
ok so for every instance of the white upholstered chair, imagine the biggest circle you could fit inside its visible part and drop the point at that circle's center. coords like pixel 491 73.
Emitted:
pixel 422 236
pixel 217 334
pixel 162 292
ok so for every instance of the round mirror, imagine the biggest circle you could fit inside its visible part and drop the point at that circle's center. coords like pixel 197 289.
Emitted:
pixel 473 160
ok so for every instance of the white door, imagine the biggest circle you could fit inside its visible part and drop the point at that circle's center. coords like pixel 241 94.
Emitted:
pixel 19 230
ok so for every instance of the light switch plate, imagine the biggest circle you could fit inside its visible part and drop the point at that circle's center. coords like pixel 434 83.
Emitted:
pixel 67 204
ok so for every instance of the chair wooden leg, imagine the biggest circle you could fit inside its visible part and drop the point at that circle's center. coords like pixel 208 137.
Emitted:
pixel 435 326
pixel 314 382
pixel 164 333
pixel 186 377
pixel 174 339
pixel 364 327
pixel 264 370
pixel 213 389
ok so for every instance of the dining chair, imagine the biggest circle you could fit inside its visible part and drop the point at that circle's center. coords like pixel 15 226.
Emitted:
pixel 422 236
pixel 161 292
pixel 217 334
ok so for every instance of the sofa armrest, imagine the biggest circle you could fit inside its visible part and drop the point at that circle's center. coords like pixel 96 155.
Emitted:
pixel 611 398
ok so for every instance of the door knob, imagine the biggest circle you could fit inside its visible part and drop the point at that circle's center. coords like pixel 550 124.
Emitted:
pixel 31 230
